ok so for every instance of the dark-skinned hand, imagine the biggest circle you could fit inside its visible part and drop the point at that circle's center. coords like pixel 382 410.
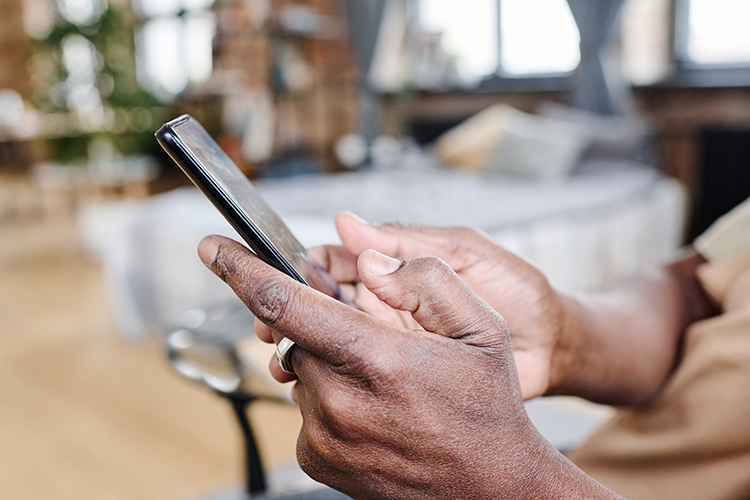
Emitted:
pixel 509 284
pixel 396 412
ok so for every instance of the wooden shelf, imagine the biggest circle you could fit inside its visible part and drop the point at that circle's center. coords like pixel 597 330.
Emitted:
pixel 252 53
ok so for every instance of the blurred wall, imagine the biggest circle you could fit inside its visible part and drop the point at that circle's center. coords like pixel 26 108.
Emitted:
pixel 682 113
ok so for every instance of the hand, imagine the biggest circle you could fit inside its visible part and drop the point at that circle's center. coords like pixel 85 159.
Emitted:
pixel 616 346
pixel 509 284
pixel 392 412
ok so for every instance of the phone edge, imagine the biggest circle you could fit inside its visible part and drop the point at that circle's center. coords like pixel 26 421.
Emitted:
pixel 255 238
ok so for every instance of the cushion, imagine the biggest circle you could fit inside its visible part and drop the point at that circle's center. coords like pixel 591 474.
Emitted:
pixel 503 140
pixel 610 137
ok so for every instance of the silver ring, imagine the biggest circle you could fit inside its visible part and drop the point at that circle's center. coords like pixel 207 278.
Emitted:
pixel 283 355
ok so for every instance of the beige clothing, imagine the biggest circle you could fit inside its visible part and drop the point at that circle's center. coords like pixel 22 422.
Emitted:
pixel 728 235
pixel 693 441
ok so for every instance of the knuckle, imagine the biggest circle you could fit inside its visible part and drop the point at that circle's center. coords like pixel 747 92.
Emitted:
pixel 368 365
pixel 351 356
pixel 377 372
pixel 500 338
pixel 383 367
pixel 340 416
pixel 225 265
pixel 316 447
pixel 270 301
pixel 434 269
pixel 501 324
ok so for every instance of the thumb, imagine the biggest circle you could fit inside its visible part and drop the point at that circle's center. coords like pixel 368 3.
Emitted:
pixel 435 296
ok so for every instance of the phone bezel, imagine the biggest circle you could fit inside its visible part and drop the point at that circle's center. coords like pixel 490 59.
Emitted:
pixel 169 139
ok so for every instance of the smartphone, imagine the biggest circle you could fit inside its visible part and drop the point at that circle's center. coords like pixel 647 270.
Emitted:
pixel 232 193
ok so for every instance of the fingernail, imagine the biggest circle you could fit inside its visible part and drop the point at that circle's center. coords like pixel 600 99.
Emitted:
pixel 382 264
pixel 207 250
pixel 357 218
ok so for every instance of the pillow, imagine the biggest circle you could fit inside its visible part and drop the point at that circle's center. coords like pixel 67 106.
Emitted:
pixel 610 137
pixel 503 140
pixel 470 144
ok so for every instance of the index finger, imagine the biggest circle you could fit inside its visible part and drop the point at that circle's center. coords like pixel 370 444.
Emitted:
pixel 340 263
pixel 459 247
pixel 318 323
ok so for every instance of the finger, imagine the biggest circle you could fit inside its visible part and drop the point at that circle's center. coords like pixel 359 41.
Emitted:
pixel 435 296
pixel 318 323
pixel 279 374
pixel 319 386
pixel 267 334
pixel 262 331
pixel 369 302
pixel 295 393
pixel 338 261
pixel 412 241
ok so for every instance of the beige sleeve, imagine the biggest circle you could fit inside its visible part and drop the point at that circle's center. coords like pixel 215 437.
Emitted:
pixel 727 236
pixel 693 441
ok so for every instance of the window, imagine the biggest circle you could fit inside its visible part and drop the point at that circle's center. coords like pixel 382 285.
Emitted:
pixel 174 44
pixel 467 34
pixel 510 38
pixel 713 32
pixel 537 37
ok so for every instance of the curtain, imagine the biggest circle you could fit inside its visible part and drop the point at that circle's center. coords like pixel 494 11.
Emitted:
pixel 365 18
pixel 599 85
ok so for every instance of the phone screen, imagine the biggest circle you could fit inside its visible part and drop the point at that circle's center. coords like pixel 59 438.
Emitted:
pixel 210 163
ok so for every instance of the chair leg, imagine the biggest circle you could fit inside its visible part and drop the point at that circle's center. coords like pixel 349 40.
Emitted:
pixel 256 479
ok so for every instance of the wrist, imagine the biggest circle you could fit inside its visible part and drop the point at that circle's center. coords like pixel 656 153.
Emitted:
pixel 567 361
pixel 598 359
pixel 550 475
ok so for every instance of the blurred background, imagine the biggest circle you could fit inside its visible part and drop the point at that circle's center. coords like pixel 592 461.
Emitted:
pixel 593 138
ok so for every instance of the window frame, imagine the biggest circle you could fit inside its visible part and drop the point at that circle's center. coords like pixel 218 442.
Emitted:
pixel 687 73
pixel 683 73
pixel 503 82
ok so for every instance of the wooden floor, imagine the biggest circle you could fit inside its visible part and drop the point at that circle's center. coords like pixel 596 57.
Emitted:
pixel 84 415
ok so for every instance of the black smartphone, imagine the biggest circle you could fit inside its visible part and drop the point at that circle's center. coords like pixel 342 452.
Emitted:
pixel 232 193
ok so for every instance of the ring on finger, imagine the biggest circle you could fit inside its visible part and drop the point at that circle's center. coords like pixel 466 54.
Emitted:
pixel 284 354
